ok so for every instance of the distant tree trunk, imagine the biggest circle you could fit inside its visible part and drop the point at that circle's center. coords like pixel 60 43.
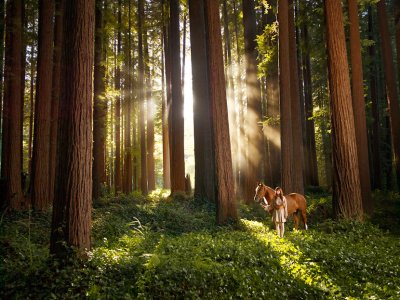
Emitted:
pixel 56 92
pixel 100 105
pixel 2 26
pixel 241 172
pixel 72 205
pixel 231 94
pixel 376 136
pixel 253 92
pixel 311 153
pixel 164 109
pixel 226 205
pixel 143 159
pixel 40 185
pixel 12 107
pixel 346 181
pixel 177 121
pixel 360 122
pixel 117 169
pixel 128 110
pixel 272 130
pixel 390 79
pixel 285 103
pixel 203 149
pixel 297 126
pixel 150 121
pixel 31 115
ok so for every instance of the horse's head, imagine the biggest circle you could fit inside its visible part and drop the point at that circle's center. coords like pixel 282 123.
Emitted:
pixel 260 192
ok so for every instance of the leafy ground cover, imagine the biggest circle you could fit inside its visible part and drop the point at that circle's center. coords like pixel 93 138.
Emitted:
pixel 161 248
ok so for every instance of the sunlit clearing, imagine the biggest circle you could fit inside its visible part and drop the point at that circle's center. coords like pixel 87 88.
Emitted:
pixel 292 259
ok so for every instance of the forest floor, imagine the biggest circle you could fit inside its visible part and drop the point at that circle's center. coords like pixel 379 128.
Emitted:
pixel 162 248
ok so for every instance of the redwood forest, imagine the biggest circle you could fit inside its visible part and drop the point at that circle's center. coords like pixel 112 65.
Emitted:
pixel 200 149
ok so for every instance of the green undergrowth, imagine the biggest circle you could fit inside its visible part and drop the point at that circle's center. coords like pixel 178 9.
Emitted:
pixel 162 248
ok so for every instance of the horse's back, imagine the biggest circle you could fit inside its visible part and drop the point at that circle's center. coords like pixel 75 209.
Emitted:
pixel 296 201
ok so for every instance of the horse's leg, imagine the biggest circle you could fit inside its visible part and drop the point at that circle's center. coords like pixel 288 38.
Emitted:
pixel 296 220
pixel 304 215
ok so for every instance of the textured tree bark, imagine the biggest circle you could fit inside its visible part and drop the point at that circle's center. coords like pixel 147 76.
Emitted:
pixel 297 126
pixel 177 121
pixel 203 150
pixel 2 26
pixel 226 206
pixel 143 159
pixel 117 168
pixel 72 206
pixel 100 105
pixel 285 95
pixel 253 130
pixel 346 177
pixel 40 185
pixel 56 92
pixel 12 107
pixel 360 122
pixel 391 89
pixel 151 177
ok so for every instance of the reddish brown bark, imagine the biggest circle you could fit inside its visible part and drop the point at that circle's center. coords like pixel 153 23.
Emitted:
pixel 359 107
pixel 40 183
pixel 73 198
pixel 226 206
pixel 346 178
pixel 285 95
pixel 203 149
pixel 56 93
pixel 297 126
pixel 391 89
pixel 177 121
pixel 12 110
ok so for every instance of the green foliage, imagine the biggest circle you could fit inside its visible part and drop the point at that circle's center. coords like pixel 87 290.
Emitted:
pixel 158 247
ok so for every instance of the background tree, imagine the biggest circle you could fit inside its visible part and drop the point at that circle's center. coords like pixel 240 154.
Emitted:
pixel 226 206
pixel 346 178
pixel 72 205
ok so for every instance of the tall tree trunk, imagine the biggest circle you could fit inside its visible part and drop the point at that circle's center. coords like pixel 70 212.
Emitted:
pixel 12 106
pixel 203 150
pixel 390 78
pixel 143 159
pixel 117 168
pixel 311 153
pixel 231 94
pixel 253 92
pixel 150 121
pixel 272 130
pixel 241 159
pixel 100 105
pixel 2 26
pixel 40 185
pixel 360 122
pixel 177 121
pixel 297 126
pixel 376 136
pixel 31 113
pixel 346 181
pixel 226 206
pixel 72 205
pixel 128 110
pixel 285 103
pixel 56 92
pixel 164 108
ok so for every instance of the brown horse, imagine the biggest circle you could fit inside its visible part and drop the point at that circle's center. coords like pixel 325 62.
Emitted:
pixel 296 203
